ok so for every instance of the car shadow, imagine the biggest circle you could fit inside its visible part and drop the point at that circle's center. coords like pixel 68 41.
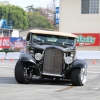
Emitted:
pixel 50 82
pixel 36 81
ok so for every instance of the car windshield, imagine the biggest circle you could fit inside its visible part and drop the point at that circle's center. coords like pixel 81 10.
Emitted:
pixel 53 39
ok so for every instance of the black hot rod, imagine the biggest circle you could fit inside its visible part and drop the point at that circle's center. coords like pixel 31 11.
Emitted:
pixel 51 54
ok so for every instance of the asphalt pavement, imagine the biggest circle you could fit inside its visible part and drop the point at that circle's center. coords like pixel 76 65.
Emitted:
pixel 48 89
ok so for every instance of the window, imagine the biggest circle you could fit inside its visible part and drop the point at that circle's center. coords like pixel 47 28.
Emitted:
pixel 53 39
pixel 89 6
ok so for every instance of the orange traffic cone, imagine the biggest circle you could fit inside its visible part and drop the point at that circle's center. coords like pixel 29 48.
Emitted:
pixel 11 59
pixel 2 59
pixel 94 61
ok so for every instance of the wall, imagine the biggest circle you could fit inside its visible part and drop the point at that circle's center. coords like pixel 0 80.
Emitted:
pixel 85 48
pixel 72 21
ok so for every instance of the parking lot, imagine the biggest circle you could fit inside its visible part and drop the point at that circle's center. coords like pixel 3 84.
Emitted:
pixel 48 89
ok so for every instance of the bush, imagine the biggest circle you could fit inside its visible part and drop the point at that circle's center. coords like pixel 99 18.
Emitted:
pixel 6 51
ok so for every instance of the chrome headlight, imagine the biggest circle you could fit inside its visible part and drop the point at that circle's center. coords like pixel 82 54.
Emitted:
pixel 72 54
pixel 31 51
pixel 68 59
pixel 38 56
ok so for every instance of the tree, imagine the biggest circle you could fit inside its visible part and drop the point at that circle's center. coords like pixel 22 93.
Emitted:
pixel 37 20
pixel 48 12
pixel 31 9
pixel 16 14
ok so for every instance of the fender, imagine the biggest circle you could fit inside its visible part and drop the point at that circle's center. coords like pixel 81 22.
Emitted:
pixel 27 58
pixel 79 63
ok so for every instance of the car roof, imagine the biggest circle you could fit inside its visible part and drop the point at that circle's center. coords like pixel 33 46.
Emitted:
pixel 53 33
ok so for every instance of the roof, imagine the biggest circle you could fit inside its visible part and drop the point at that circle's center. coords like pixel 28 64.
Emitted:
pixel 53 33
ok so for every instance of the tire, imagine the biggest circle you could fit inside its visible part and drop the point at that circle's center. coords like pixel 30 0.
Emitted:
pixel 78 76
pixel 19 73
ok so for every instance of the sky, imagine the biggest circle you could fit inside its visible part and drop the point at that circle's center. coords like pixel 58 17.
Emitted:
pixel 36 3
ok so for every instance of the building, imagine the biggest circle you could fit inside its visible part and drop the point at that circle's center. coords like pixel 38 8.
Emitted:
pixel 81 17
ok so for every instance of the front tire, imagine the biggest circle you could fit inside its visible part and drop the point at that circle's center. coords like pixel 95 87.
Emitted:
pixel 78 76
pixel 23 74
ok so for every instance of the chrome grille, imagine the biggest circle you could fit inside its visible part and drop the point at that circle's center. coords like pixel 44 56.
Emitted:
pixel 53 60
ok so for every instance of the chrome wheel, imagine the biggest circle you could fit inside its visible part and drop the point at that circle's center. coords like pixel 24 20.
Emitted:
pixel 79 76
pixel 28 74
pixel 83 75
pixel 23 73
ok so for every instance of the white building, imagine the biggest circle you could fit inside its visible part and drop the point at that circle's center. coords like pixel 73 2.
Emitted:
pixel 80 16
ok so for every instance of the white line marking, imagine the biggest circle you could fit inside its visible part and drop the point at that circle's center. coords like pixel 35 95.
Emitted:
pixel 6 64
pixel 7 67
pixel 93 72
pixel 96 88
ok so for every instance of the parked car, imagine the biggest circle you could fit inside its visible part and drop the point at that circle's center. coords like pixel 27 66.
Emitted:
pixel 51 54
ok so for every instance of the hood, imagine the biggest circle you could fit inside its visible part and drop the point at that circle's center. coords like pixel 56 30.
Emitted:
pixel 43 47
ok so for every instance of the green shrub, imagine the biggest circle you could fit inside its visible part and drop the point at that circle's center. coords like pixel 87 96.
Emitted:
pixel 6 51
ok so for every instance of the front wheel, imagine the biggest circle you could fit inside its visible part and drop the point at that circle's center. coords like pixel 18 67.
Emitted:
pixel 78 76
pixel 23 73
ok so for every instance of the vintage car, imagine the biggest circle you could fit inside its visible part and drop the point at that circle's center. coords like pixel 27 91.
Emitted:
pixel 51 54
